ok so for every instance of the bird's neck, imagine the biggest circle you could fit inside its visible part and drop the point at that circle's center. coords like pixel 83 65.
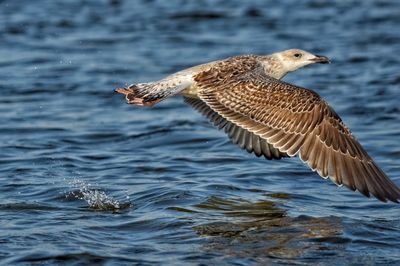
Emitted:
pixel 273 67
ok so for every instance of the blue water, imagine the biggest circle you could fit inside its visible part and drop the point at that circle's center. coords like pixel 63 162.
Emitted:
pixel 88 179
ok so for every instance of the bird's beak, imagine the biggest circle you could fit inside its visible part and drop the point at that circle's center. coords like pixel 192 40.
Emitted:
pixel 320 59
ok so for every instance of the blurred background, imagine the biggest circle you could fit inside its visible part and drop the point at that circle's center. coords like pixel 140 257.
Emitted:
pixel 86 178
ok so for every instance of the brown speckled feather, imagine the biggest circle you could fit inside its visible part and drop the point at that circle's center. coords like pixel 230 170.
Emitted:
pixel 295 120
pixel 247 140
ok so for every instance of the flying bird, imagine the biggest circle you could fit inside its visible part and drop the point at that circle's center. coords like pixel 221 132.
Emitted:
pixel 245 96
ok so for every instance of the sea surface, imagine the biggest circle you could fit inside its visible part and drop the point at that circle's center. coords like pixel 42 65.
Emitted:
pixel 87 179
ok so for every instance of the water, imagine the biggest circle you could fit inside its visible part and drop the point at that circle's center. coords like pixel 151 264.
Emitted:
pixel 86 178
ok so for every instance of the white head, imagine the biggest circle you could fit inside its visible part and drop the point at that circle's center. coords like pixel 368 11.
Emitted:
pixel 293 59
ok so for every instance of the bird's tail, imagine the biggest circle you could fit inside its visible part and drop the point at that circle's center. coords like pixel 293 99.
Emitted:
pixel 148 94
pixel 143 94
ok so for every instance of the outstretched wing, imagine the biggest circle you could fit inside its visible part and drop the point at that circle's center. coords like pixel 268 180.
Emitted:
pixel 247 140
pixel 296 121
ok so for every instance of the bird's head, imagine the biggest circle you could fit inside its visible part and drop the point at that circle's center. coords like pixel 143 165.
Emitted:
pixel 294 59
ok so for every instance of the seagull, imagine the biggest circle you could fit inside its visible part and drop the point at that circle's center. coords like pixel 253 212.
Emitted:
pixel 245 96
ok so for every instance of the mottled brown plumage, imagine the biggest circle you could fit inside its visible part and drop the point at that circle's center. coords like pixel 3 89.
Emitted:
pixel 262 114
pixel 294 120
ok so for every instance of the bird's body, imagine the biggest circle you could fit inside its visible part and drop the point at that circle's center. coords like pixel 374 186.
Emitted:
pixel 244 96
pixel 182 82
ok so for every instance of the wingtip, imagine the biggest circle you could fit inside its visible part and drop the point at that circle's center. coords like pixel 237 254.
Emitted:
pixel 394 198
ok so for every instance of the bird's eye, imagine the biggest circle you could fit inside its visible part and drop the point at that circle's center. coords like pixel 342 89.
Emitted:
pixel 297 55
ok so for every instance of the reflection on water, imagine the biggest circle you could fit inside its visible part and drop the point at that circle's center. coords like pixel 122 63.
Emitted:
pixel 261 229
pixel 238 208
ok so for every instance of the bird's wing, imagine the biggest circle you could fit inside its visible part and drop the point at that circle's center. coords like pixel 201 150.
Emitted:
pixel 294 120
pixel 247 140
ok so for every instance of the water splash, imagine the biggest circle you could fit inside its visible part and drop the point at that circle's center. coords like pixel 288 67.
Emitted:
pixel 97 199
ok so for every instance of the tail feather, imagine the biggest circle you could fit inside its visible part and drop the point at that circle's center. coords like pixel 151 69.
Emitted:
pixel 148 94
pixel 141 94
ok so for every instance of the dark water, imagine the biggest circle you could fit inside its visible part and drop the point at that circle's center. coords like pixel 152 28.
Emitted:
pixel 87 179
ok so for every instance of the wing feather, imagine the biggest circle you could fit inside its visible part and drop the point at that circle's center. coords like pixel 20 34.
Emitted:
pixel 291 120
pixel 247 140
